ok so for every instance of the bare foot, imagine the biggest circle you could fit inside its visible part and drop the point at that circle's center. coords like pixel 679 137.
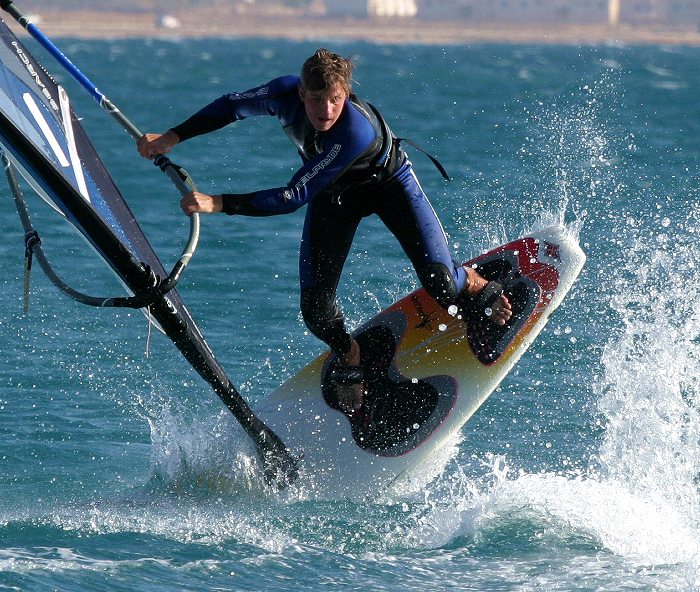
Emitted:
pixel 351 396
pixel 501 310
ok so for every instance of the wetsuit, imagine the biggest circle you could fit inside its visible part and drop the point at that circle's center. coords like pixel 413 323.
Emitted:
pixel 354 169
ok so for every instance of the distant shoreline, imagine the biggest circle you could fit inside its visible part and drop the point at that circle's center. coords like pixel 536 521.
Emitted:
pixel 86 24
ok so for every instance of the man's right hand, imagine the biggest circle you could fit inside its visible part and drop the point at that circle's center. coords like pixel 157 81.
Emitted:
pixel 152 145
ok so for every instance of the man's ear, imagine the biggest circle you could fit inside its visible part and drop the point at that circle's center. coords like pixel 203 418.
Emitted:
pixel 301 92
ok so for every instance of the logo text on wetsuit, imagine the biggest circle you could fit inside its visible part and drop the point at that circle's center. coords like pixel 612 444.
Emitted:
pixel 261 92
pixel 319 167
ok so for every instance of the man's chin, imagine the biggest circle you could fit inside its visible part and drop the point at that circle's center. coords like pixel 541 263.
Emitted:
pixel 323 126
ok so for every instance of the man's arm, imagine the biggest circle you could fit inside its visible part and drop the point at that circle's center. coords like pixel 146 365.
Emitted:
pixel 267 99
pixel 228 203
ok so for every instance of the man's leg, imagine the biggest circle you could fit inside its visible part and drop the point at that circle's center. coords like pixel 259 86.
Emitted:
pixel 408 214
pixel 329 229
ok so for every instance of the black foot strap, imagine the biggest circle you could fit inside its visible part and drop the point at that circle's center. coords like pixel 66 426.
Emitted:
pixel 343 374
pixel 481 303
pixel 488 340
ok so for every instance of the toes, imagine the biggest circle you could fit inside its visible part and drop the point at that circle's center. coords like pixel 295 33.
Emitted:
pixel 502 311
pixel 351 400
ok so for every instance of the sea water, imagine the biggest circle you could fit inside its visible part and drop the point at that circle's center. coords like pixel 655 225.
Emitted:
pixel 121 470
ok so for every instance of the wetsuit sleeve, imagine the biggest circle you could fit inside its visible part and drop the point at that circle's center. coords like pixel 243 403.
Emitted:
pixel 262 100
pixel 240 203
pixel 310 180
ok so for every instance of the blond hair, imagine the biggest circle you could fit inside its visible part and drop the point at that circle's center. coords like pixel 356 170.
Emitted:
pixel 326 69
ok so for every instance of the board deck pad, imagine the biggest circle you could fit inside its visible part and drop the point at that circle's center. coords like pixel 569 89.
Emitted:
pixel 398 412
pixel 488 340
pixel 426 372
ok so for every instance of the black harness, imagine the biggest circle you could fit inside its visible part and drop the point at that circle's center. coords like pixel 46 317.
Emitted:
pixel 382 159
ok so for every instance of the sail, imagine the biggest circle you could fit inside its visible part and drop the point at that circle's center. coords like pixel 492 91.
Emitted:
pixel 43 138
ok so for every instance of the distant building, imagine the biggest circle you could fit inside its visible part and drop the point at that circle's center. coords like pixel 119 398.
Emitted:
pixel 613 12
pixel 659 12
pixel 372 8
pixel 392 8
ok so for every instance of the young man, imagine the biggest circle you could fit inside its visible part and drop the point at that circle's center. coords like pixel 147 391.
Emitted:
pixel 352 167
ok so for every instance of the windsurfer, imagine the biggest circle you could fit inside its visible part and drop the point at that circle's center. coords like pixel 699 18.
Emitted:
pixel 353 166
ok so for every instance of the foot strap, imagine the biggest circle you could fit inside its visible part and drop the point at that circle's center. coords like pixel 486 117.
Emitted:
pixel 343 374
pixel 481 303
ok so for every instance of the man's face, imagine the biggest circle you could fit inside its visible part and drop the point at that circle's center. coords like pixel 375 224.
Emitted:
pixel 323 107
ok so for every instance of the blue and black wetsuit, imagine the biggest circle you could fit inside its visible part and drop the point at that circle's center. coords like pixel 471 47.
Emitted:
pixel 354 169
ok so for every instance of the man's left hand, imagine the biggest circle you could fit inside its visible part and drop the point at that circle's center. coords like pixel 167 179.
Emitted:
pixel 201 203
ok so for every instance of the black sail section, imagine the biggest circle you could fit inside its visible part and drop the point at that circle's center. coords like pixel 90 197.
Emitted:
pixel 41 135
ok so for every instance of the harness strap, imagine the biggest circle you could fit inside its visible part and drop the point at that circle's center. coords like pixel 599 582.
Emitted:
pixel 435 161
pixel 385 156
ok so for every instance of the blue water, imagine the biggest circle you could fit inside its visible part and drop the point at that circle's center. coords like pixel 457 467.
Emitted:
pixel 119 467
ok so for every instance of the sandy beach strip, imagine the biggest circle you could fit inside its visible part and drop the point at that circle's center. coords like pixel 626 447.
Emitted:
pixel 87 24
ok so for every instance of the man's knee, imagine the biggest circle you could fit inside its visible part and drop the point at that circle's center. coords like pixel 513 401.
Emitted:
pixel 438 281
pixel 324 319
pixel 316 307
